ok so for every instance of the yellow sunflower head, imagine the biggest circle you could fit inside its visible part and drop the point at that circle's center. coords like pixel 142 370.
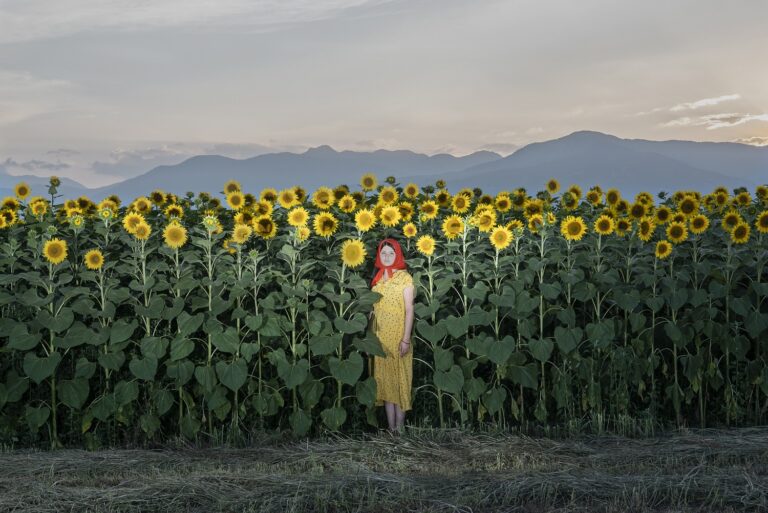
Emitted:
pixel 553 186
pixel 302 233
pixel 157 197
pixel 428 210
pixel 263 208
pixel 55 251
pixel 677 232
pixel 663 249
pixel 638 210
pixel 298 216
pixel 594 197
pixel 410 230
pixel 688 206
pixel 452 227
pixel 516 226
pixel 535 223
pixel 663 214
pixel 22 190
pixel 604 225
pixel 268 194
pixel 388 195
pixel 365 219
pixel 142 205
pixel 131 221
pixel 241 233
pixel 569 200
pixel 368 182
pixel 265 227
pixel 761 222
pixel 353 253
pixel 699 224
pixel 325 224
pixel 743 199
pixel 390 216
pixel 347 204
pixel 533 206
pixel 94 259
pixel 287 198
pixel 443 198
pixel 426 245
pixel 500 237
pixel 730 220
pixel 460 203
pixel 503 202
pixel 484 219
pixel 236 200
pixel 142 231
pixel 623 225
pixel 573 228
pixel 575 190
pixel 740 233
pixel 39 208
pixel 645 228
pixel 411 191
pixel 323 198
pixel 612 197
pixel 174 211
pixel 231 186
pixel 175 235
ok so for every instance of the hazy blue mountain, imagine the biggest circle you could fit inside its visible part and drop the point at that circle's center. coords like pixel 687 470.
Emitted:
pixel 39 185
pixel 311 169
pixel 588 158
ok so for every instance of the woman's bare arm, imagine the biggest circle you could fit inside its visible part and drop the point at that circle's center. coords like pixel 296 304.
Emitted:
pixel 408 301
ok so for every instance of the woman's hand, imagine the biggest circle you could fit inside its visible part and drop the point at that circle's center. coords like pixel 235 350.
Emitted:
pixel 405 346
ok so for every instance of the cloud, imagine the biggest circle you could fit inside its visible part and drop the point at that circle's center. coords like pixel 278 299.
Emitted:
pixel 26 20
pixel 33 166
pixel 706 102
pixel 63 153
pixel 715 121
pixel 23 95
pixel 754 140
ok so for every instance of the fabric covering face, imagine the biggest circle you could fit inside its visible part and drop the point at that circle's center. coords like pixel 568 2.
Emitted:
pixel 393 374
pixel 399 262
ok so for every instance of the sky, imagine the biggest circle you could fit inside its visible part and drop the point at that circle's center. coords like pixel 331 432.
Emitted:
pixel 103 90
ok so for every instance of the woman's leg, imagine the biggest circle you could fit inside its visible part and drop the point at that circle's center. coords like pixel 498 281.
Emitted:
pixel 399 418
pixel 391 415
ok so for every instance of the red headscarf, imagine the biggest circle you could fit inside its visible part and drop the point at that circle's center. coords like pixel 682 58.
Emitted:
pixel 399 262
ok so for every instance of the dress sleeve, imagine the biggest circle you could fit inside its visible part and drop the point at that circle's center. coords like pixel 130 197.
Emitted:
pixel 407 279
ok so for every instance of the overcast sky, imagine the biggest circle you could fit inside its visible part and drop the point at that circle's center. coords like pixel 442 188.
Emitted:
pixel 101 90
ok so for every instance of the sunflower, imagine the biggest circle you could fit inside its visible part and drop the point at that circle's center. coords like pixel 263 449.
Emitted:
pixel 428 210
pixel 353 253
pixel 721 199
pixel 142 205
pixel 3 222
pixel 365 220
pixel 241 233
pixel 503 202
pixel 55 251
pixel 535 222
pixel 390 216
pixel 10 203
pixel 761 223
pixel 210 222
pixel 235 200
pixel 677 232
pixel 645 198
pixel 411 190
pixel 688 206
pixel 298 216
pixel 302 233
pixel 612 197
pixel 663 249
pixel 426 245
pixel 243 217
pixel 443 198
pixel 232 186
pixel 142 231
pixel 262 208
pixel 174 211
pixel 452 227
pixel 388 195
pixel 94 259
pixel 21 190
pixel 500 237
pixel 743 199
pixel 730 220
pixel 269 194
pixel 175 235
pixel 569 200
pixel 368 182
pixel 594 197
pixel 131 221
pixel 637 210
pixel 340 191
pixel 157 197
pixel 518 199
pixel 485 219
pixel 323 198
pixel 460 204
pixel 406 210
pixel 573 228
pixel 662 215
pixel 699 223
pixel 533 206
pixel 265 227
pixel 740 233
pixel 347 204
pixel 604 225
pixel 287 198
pixel 515 226
pixel 623 225
pixel 410 230
pixel 325 224
pixel 645 228
pixel 761 191
pixel 553 186
pixel 575 190
pixel 39 208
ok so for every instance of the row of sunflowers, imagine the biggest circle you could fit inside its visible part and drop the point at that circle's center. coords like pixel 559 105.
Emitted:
pixel 202 312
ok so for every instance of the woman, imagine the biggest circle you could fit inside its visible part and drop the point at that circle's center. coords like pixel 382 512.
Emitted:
pixel 394 321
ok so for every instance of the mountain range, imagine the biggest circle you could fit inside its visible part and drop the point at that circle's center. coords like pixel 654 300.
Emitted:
pixel 585 158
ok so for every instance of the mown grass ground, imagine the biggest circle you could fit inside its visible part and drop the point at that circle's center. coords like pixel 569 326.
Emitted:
pixel 420 470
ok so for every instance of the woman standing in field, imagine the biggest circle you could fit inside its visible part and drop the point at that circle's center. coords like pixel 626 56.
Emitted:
pixel 394 321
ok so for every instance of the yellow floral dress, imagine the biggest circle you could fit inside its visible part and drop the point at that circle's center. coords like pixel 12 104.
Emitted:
pixel 393 374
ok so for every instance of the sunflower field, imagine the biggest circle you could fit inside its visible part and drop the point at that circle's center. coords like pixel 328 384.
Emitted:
pixel 195 315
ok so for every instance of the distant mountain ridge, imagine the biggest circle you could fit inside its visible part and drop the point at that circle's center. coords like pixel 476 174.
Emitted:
pixel 585 158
